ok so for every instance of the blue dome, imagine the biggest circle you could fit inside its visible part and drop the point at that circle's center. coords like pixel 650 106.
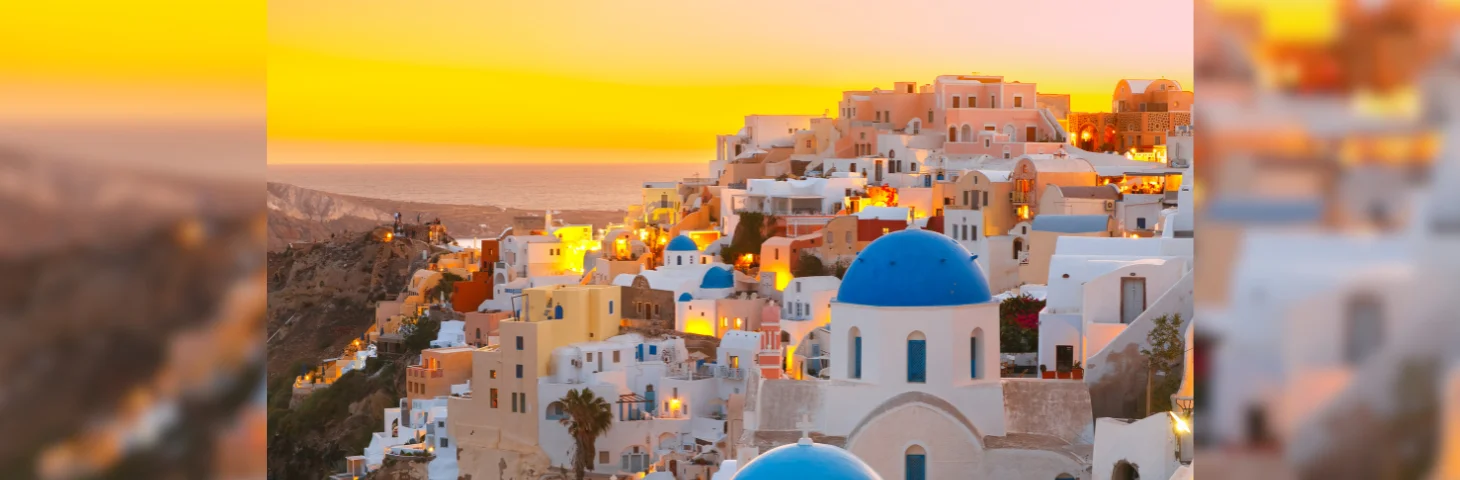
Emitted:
pixel 685 297
pixel 914 268
pixel 717 277
pixel 682 244
pixel 808 461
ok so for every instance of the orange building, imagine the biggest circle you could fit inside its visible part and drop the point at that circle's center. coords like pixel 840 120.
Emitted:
pixel 1143 114
pixel 440 368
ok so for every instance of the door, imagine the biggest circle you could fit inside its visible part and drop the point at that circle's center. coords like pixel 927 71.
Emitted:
pixel 1132 298
pixel 917 468
pixel 1064 357
pixel 600 361
pixel 879 171
pixel 1029 134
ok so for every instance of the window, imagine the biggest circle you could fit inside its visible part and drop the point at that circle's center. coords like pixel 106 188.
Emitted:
pixel 494 373
pixel 519 342
pixel 1018 245
pixel 555 411
pixel 952 137
pixel 1363 328
pixel 444 443
pixel 973 232
pixel 856 336
pixel 590 357
pixel 653 349
pixel 514 402
pixel 985 199
pixel 993 101
pixel 973 343
pixel 955 101
pixel 849 236
pixel 615 356
pixel 1029 134
pixel 778 253
pixel 798 287
pixel 519 370
pixel 1141 223
pixel 967 134
pixel 494 397
pixel 917 358
pixel 930 116
pixel 1018 101
pixel 610 310
pixel 603 457
pixel 679 260
pixel 915 463
pixel 965 197
pixel 885 230
pixel 988 142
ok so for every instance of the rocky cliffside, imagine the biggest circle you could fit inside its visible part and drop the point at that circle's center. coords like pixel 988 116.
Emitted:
pixel 302 215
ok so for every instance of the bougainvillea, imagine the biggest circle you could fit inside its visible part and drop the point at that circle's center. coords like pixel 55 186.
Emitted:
pixel 1019 324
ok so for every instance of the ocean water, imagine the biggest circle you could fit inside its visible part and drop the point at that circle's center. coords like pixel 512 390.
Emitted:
pixel 536 186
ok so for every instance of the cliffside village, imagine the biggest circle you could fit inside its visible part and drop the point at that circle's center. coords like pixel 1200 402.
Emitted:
pixel 830 289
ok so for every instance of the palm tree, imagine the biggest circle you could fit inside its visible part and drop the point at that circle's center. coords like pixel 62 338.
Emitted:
pixel 587 417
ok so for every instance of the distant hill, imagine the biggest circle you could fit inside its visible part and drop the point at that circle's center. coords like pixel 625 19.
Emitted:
pixel 299 214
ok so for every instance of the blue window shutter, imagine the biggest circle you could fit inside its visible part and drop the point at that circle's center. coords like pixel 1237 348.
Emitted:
pixel 917 361
pixel 916 467
pixel 639 353
pixel 653 349
pixel 973 357
pixel 857 358
pixel 558 312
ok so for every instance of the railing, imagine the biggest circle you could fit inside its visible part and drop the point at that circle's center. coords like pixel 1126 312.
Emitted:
pixel 1019 197
pixel 663 204
pixel 724 371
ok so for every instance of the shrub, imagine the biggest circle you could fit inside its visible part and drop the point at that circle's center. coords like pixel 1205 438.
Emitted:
pixel 1019 324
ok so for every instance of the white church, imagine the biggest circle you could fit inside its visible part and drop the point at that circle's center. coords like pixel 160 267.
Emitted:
pixel 915 389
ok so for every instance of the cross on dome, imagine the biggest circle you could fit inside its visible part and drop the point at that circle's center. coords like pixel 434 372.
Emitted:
pixel 805 426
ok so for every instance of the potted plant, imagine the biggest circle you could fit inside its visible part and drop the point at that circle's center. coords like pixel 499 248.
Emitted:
pixel 1044 372
pixel 1078 371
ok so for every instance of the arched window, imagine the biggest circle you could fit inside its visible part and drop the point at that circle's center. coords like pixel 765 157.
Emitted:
pixel 855 369
pixel 915 463
pixel 967 133
pixel 917 358
pixel 975 344
pixel 558 312
pixel 952 134
pixel 555 411
pixel 1018 245
pixel 679 260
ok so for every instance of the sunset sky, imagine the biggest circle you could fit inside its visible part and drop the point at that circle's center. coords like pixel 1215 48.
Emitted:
pixel 667 75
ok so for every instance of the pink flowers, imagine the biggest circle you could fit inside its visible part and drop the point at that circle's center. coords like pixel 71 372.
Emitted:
pixel 1027 321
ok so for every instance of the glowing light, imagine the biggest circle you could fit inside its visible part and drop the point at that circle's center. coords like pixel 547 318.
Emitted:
pixel 1133 236
pixel 1181 425
pixel 699 326
pixel 389 236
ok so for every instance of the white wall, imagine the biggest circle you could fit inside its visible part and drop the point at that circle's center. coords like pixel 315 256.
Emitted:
pixel 1149 444
pixel 1060 329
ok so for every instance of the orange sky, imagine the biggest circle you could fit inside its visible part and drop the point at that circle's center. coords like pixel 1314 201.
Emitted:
pixel 669 74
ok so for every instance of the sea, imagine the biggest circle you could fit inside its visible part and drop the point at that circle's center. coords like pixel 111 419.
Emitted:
pixel 552 186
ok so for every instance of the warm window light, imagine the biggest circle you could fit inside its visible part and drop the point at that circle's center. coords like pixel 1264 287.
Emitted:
pixel 737 322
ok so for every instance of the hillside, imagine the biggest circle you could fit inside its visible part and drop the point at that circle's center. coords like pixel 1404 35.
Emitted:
pixel 299 214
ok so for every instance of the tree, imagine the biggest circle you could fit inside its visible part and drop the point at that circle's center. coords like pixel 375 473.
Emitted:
pixel 808 265
pixel 1019 324
pixel 1165 356
pixel 750 233
pixel 587 417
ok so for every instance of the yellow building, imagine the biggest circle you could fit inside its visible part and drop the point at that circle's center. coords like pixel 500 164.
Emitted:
pixel 498 424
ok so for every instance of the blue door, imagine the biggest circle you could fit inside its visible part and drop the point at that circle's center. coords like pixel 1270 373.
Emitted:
pixel 917 361
pixel 639 353
pixel 917 467
pixel 857 358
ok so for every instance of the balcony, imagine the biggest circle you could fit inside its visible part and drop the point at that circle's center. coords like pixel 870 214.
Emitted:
pixel 729 373
pixel 662 204
pixel 421 372
pixel 1019 198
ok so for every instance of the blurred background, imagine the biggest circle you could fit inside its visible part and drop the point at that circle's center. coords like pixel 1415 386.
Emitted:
pixel 132 144
pixel 1329 244
pixel 131 266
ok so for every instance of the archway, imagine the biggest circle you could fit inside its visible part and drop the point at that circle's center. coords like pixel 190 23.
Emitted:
pixel 1087 137
pixel 1125 471
pixel 915 463
pixel 854 368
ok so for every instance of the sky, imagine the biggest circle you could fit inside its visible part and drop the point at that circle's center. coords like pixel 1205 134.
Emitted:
pixel 663 77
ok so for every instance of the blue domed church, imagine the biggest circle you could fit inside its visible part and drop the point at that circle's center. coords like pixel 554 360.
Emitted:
pixel 915 389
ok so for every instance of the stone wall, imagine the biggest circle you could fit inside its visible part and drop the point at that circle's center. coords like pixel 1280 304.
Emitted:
pixel 1059 408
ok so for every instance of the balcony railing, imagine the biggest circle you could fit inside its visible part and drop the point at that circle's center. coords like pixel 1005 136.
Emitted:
pixel 1019 198
pixel 726 372
pixel 663 204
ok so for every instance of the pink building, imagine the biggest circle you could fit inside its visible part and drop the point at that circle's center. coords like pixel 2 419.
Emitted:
pixel 973 115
